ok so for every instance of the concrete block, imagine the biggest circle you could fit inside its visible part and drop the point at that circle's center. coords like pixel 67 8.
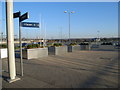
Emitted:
pixel 57 50
pixel 42 52
pixel 106 47
pixel 73 48
pixel 3 53
pixel 35 53
pixel 84 47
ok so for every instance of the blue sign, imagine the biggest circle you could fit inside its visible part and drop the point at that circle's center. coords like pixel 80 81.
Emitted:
pixel 30 24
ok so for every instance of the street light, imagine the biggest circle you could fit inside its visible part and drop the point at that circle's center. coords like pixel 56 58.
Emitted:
pixel 98 34
pixel 98 38
pixel 1 36
pixel 69 12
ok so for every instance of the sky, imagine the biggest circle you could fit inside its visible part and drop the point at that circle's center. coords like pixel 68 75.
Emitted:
pixel 88 19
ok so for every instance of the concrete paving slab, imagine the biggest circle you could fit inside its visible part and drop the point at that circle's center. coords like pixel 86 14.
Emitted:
pixel 79 69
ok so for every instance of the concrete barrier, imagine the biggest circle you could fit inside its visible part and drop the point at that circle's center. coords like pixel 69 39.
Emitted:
pixel 35 53
pixel 85 47
pixel 42 52
pixel 73 48
pixel 57 50
pixel 104 48
pixel 94 47
pixel 3 53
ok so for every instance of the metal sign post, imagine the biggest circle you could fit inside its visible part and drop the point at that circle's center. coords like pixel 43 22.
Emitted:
pixel 23 24
pixel 21 18
pixel 20 43
pixel 16 15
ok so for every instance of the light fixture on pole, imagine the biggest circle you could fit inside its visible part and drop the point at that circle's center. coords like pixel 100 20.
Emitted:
pixel 69 13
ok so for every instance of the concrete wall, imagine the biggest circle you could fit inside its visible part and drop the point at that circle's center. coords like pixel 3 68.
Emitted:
pixel 3 53
pixel 61 50
pixel 104 48
pixel 94 47
pixel 73 48
pixel 42 52
pixel 69 48
pixel 35 53
pixel 84 47
pixel 76 48
pixel 57 50
pixel 51 50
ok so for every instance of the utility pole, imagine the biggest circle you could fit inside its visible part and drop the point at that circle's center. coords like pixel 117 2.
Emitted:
pixel 10 41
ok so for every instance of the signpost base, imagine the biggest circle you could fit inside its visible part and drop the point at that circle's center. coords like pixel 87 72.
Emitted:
pixel 13 80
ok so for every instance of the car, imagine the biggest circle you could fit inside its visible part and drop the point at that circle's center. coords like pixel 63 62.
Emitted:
pixel 39 42
pixel 24 44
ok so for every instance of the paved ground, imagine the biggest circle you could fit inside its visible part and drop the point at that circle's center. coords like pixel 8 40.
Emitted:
pixel 80 69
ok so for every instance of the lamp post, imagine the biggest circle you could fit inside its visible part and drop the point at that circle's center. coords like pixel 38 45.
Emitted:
pixel 98 34
pixel 98 38
pixel 1 37
pixel 69 13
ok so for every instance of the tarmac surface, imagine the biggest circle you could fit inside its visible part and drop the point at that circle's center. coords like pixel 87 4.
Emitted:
pixel 79 69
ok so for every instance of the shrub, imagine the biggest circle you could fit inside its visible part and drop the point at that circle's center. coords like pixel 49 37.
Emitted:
pixel 83 44
pixel 71 44
pixel 33 46
pixel 41 47
pixel 18 47
pixel 106 43
pixel 29 46
pixel 57 44
pixel 50 44
pixel 3 46
pixel 60 44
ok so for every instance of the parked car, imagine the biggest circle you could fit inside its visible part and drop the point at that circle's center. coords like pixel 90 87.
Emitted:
pixel 24 44
pixel 39 42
